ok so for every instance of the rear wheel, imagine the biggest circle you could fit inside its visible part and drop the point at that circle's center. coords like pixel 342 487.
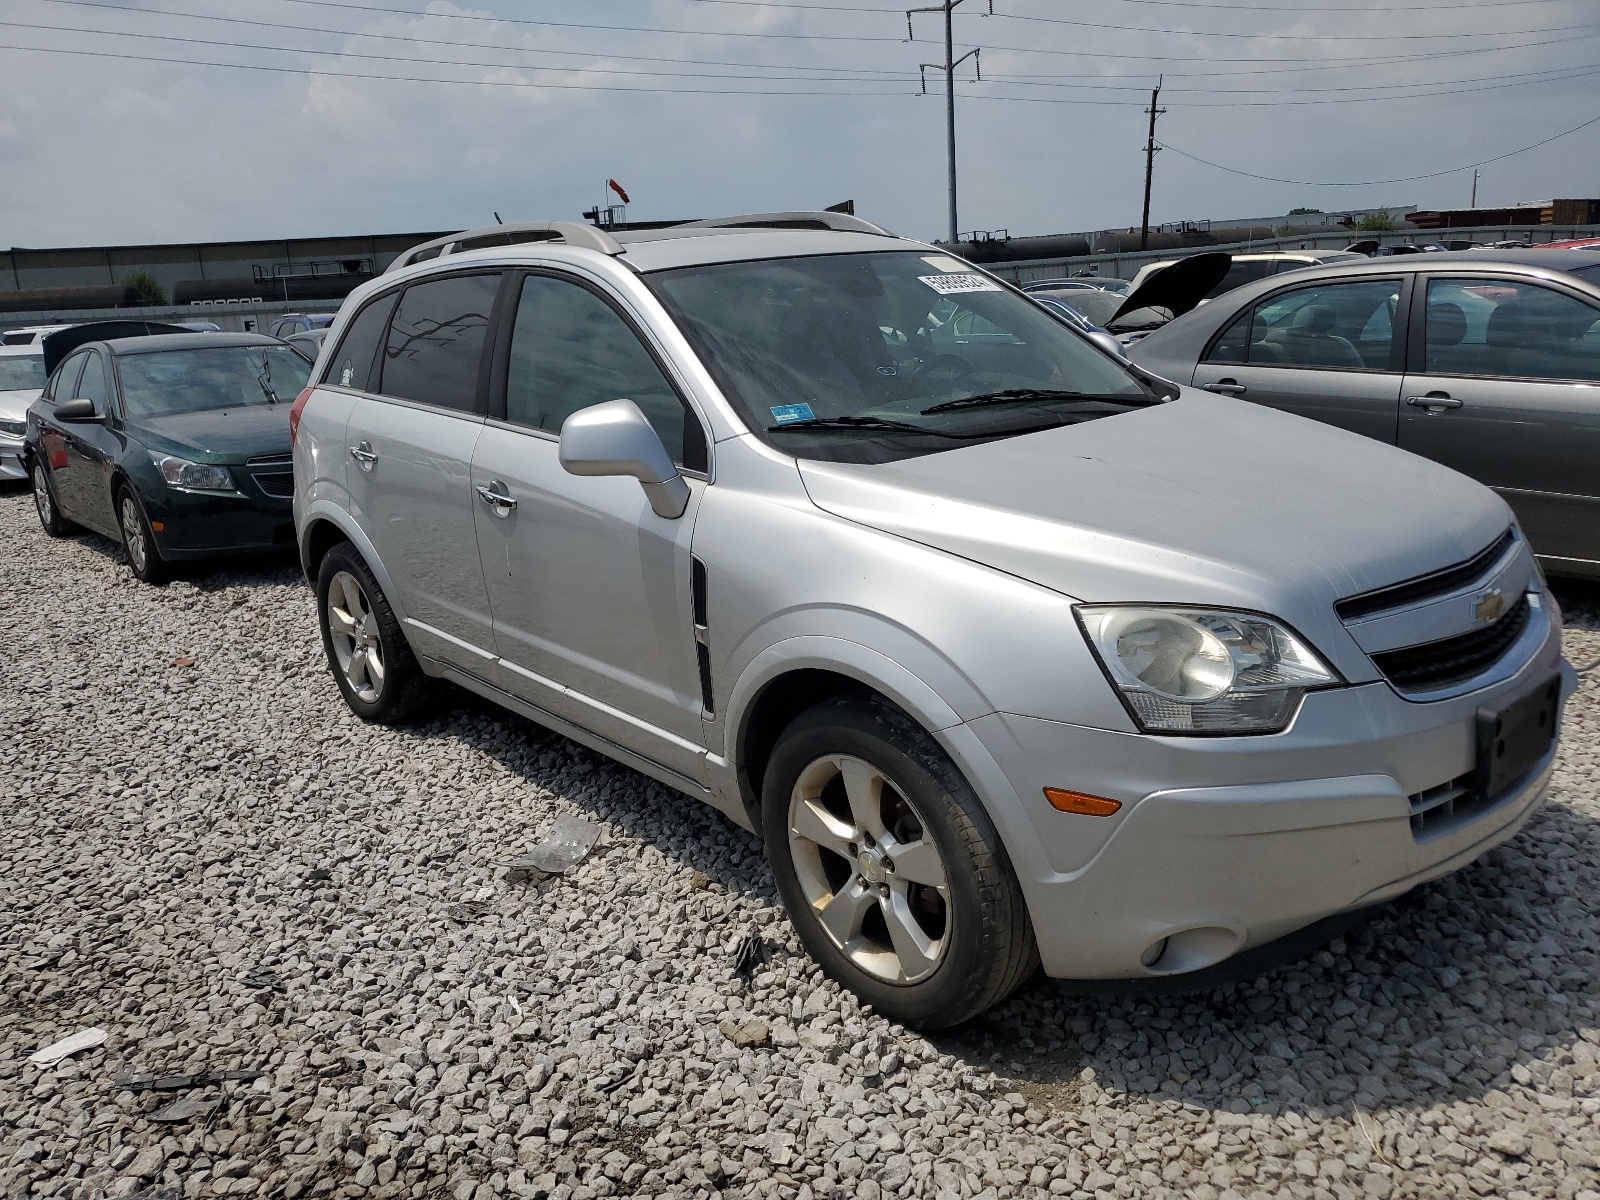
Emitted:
pixel 368 654
pixel 44 500
pixel 890 868
pixel 144 559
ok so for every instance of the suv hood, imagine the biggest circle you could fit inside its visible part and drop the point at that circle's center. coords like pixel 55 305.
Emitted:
pixel 220 435
pixel 1204 500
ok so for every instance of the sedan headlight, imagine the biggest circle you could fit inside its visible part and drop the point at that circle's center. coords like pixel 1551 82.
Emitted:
pixel 13 428
pixel 181 473
pixel 1193 670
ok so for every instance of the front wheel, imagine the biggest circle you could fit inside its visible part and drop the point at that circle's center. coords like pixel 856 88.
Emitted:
pixel 44 501
pixel 144 559
pixel 890 868
pixel 371 660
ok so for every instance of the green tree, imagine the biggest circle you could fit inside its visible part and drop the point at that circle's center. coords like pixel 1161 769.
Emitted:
pixel 1301 212
pixel 1375 222
pixel 147 290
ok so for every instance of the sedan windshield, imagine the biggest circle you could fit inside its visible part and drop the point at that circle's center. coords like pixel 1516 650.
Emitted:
pixel 166 382
pixel 21 374
pixel 888 355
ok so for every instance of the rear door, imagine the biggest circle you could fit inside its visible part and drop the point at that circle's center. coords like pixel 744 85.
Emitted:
pixel 1332 351
pixel 60 441
pixel 1505 387
pixel 411 447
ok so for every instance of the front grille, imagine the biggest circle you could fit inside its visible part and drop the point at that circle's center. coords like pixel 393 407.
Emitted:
pixel 275 483
pixel 1453 660
pixel 1424 587
pixel 271 460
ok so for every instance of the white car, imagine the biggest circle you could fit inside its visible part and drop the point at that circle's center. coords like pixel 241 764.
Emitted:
pixel 22 377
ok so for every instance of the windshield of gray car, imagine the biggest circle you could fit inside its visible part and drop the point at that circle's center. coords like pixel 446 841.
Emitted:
pixel 21 374
pixel 1592 274
pixel 842 357
pixel 166 382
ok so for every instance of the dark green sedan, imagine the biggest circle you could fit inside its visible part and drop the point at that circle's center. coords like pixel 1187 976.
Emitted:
pixel 176 444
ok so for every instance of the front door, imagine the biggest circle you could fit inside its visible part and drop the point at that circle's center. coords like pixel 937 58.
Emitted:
pixel 409 474
pixel 66 449
pixel 1327 351
pixel 95 447
pixel 590 588
pixel 1506 388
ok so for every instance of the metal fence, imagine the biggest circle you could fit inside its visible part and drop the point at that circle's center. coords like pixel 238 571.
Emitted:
pixel 1126 265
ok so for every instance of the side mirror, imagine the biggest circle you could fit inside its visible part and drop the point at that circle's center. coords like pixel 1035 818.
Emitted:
pixel 615 439
pixel 1108 342
pixel 77 412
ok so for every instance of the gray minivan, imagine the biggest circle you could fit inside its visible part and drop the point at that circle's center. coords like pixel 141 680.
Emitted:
pixel 1010 651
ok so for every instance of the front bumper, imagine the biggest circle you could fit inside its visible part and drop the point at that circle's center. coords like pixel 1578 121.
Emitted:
pixel 202 524
pixel 1223 844
pixel 13 465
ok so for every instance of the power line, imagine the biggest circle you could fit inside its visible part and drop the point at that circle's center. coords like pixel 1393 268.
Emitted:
pixel 1381 182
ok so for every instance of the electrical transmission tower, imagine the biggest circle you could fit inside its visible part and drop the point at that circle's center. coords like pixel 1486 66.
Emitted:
pixel 1150 149
pixel 948 66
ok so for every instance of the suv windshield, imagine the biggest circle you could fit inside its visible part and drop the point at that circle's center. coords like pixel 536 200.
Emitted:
pixel 888 355
pixel 21 374
pixel 166 382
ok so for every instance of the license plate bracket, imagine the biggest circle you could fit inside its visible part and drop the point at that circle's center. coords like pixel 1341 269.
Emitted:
pixel 1513 738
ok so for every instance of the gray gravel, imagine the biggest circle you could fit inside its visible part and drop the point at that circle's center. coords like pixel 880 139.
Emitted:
pixel 223 869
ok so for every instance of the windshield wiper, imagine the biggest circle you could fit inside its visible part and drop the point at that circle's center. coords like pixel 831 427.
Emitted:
pixel 869 425
pixel 1028 395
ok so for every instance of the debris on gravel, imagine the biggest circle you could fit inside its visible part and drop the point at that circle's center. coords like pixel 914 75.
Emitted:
pixel 227 872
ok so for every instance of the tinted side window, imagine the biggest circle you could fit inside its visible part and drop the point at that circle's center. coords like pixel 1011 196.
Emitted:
pixel 1506 327
pixel 351 367
pixel 436 341
pixel 570 349
pixel 1234 344
pixel 67 376
pixel 1239 274
pixel 93 384
pixel 1341 325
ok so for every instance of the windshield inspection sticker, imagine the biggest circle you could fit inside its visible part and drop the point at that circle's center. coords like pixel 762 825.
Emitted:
pixel 949 285
pixel 784 413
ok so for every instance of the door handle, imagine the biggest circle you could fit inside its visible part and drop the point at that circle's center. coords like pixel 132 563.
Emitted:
pixel 364 455
pixel 494 495
pixel 1225 387
pixel 1434 402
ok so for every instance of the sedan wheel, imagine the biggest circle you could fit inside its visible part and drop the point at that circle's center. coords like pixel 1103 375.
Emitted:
pixel 49 516
pixel 869 869
pixel 357 646
pixel 143 558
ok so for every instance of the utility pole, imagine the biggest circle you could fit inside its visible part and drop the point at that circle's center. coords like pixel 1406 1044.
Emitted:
pixel 1474 203
pixel 1150 149
pixel 948 66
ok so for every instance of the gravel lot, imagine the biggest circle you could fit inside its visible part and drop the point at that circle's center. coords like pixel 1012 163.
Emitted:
pixel 204 854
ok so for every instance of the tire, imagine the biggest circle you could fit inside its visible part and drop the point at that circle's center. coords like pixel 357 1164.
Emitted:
pixel 371 661
pixel 44 501
pixel 919 953
pixel 144 556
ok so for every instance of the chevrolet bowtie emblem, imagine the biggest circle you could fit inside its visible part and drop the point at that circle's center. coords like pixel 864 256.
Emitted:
pixel 1488 607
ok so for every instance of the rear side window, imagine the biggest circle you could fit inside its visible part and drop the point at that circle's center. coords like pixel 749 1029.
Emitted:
pixel 351 367
pixel 436 341
pixel 1510 328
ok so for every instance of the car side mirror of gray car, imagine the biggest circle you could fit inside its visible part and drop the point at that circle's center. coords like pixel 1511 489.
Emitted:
pixel 77 412
pixel 614 438
pixel 1108 342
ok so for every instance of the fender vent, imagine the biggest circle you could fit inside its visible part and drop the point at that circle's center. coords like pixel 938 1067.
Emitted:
pixel 702 633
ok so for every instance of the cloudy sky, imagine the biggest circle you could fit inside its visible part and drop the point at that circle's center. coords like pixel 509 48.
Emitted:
pixel 117 123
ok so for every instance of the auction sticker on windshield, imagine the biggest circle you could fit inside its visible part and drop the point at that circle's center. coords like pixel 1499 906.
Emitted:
pixel 948 285
pixel 784 413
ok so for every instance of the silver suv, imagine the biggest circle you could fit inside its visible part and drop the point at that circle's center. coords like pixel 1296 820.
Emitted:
pixel 1010 651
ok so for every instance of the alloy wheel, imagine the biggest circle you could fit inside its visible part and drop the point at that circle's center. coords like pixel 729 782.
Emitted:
pixel 41 496
pixel 869 869
pixel 133 534
pixel 354 632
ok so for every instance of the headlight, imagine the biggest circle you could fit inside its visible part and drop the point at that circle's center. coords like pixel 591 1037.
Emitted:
pixel 1191 670
pixel 181 473
pixel 14 428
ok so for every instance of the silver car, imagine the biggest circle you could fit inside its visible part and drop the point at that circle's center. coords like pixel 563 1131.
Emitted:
pixel 1488 362
pixel 22 378
pixel 1012 653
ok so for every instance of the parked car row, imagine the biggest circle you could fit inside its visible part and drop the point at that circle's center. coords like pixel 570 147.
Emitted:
pixel 1012 651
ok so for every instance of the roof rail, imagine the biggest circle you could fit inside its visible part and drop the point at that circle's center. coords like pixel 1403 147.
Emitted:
pixel 571 233
pixel 843 222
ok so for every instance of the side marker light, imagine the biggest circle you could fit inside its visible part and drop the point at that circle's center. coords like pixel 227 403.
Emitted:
pixel 1078 802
